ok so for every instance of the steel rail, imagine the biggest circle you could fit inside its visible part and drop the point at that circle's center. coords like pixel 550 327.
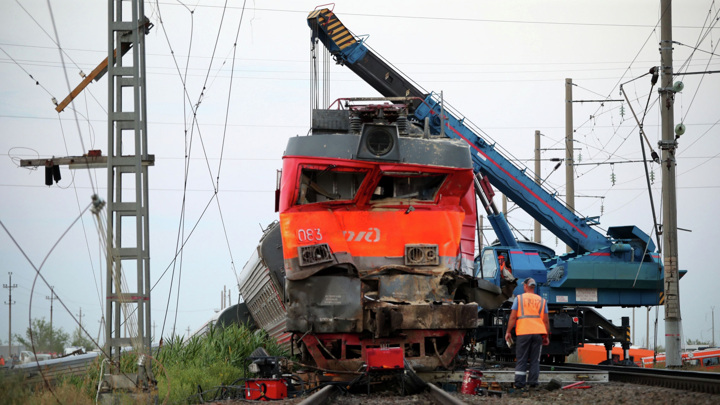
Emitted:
pixel 323 396
pixel 327 394
pixel 441 397
pixel 697 381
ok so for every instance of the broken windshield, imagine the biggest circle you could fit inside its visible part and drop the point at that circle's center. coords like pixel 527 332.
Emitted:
pixel 412 186
pixel 329 184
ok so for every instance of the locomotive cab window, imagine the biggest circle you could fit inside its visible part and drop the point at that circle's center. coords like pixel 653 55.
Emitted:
pixel 328 184
pixel 408 186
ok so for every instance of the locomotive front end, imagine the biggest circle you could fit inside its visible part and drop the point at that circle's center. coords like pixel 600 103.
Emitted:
pixel 377 220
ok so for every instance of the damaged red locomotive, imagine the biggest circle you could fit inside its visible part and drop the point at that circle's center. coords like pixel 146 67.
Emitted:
pixel 377 221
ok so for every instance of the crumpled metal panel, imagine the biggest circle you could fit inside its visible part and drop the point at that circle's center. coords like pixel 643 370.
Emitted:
pixel 423 350
pixel 412 288
pixel 324 304
pixel 423 316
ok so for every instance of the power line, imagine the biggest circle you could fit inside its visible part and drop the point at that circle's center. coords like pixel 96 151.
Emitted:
pixel 430 63
pixel 453 19
pixel 695 48
pixel 158 69
pixel 37 82
pixel 53 40
pixel 303 126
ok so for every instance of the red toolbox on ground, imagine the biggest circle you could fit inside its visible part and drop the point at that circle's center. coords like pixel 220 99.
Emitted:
pixel 266 389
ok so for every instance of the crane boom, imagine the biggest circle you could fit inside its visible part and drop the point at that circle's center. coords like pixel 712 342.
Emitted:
pixel 512 181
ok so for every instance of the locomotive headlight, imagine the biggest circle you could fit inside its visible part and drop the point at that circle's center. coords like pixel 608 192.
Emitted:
pixel 421 255
pixel 314 254
pixel 379 142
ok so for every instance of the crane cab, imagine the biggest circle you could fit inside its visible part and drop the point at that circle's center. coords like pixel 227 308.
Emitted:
pixel 502 265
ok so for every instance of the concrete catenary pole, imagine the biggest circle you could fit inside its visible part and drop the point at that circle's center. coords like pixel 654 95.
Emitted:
pixel 668 144
pixel 537 235
pixel 647 329
pixel 713 327
pixel 569 161
pixel 10 303
pixel 51 297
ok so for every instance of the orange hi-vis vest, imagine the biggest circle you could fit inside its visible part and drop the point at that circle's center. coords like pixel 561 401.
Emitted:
pixel 530 312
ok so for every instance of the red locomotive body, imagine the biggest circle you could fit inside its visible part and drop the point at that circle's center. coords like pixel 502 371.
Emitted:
pixel 377 222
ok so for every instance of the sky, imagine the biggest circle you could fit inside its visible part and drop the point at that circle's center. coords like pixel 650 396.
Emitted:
pixel 247 75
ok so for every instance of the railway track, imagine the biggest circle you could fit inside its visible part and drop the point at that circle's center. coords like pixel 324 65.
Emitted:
pixel 432 395
pixel 701 382
pixel 679 379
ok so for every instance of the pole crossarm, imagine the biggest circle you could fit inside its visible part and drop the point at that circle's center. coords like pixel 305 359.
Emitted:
pixel 102 68
pixel 79 162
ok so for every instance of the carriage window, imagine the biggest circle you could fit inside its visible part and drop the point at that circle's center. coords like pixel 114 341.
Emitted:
pixel 329 184
pixel 712 361
pixel 408 186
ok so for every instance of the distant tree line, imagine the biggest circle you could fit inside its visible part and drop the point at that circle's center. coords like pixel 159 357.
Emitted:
pixel 46 339
pixel 698 342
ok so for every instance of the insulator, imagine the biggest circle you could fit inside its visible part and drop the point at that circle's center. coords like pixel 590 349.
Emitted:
pixel 355 124
pixel 48 174
pixel 402 124
pixel 679 129
pixel 56 173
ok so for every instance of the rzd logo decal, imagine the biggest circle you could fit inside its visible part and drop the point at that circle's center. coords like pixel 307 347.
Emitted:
pixel 371 235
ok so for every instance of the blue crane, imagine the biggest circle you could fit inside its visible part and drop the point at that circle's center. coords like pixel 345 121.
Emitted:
pixel 621 268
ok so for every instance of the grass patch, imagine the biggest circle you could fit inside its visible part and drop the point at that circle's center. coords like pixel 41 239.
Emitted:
pixel 216 359
pixel 180 368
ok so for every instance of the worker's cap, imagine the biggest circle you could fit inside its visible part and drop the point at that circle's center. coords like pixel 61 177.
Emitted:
pixel 501 257
pixel 530 281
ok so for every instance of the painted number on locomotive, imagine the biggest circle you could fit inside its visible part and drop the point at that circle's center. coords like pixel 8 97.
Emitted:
pixel 310 234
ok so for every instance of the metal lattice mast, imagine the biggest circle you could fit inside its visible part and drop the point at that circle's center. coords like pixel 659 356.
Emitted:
pixel 128 253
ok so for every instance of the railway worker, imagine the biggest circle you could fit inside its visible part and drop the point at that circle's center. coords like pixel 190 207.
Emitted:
pixel 505 270
pixel 529 316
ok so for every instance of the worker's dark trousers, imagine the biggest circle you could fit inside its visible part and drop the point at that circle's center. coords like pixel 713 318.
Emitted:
pixel 527 350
